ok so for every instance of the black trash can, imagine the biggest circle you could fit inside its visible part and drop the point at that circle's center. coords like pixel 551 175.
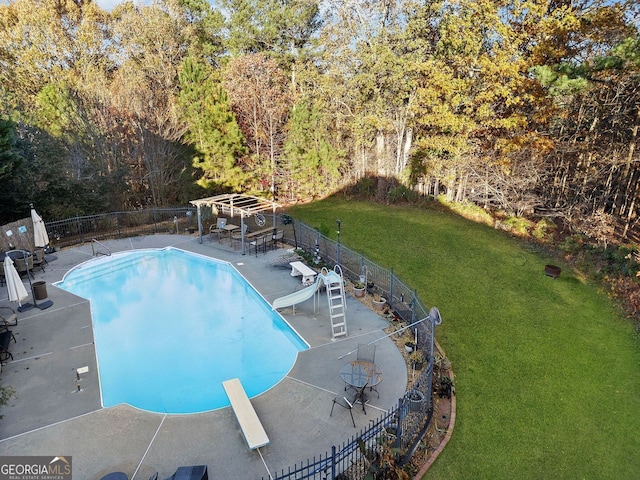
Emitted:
pixel 40 290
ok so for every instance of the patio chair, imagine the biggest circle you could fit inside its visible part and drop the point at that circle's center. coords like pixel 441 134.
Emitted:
pixel 195 472
pixel 236 236
pixel 115 476
pixel 349 403
pixel 39 260
pixel 259 243
pixel 5 339
pixel 8 318
pixel 367 353
pixel 218 228
pixel 24 265
pixel 276 237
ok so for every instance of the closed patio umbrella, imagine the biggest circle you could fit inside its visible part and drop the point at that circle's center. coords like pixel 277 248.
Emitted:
pixel 15 288
pixel 40 237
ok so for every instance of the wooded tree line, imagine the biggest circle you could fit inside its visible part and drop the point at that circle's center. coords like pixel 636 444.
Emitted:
pixel 529 106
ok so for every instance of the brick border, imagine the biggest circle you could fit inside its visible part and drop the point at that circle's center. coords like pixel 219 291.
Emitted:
pixel 452 420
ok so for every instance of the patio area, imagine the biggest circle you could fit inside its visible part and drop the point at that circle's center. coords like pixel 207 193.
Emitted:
pixel 50 416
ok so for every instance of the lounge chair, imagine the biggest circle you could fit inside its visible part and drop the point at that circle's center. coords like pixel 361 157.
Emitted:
pixel 286 259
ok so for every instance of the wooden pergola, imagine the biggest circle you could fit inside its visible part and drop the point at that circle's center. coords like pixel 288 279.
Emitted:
pixel 233 204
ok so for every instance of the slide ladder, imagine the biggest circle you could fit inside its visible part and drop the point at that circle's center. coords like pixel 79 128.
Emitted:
pixel 334 284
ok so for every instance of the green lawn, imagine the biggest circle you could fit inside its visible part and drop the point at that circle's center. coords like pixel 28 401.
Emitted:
pixel 547 371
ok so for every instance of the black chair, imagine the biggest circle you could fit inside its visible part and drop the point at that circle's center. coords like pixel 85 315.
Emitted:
pixel 276 237
pixel 260 243
pixel 5 338
pixel 195 472
pixel 367 353
pixel 349 403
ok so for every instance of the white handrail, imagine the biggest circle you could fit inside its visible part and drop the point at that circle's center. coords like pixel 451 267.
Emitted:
pixel 96 253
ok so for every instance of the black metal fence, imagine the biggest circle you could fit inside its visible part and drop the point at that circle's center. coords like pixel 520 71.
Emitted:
pixel 379 280
pixel 401 429
pixel 388 441
pixel 74 230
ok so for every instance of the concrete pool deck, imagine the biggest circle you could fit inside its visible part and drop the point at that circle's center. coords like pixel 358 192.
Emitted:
pixel 50 417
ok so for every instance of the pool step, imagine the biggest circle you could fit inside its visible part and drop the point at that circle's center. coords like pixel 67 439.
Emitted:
pixel 103 265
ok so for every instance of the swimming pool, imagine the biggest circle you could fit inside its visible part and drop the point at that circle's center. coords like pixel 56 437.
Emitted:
pixel 170 326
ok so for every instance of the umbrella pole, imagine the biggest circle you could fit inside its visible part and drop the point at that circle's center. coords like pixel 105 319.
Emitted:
pixel 27 306
pixel 33 294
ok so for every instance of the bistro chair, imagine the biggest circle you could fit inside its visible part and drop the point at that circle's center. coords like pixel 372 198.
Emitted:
pixel 366 353
pixel 349 402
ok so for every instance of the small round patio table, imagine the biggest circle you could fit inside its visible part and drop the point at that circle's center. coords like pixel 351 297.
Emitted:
pixel 359 373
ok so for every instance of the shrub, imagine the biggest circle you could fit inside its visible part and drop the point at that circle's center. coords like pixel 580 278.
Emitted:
pixel 571 244
pixel 469 210
pixel 517 225
pixel 543 229
pixel 401 194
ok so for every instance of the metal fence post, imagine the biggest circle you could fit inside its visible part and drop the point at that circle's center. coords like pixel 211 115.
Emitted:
pixel 333 462
pixel 413 306
pixel 79 228
pixel 155 220
pixel 401 415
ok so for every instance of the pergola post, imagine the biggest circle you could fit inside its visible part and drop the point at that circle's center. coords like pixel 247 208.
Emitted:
pixel 242 232
pixel 199 222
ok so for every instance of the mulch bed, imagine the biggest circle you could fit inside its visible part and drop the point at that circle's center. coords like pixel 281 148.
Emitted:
pixel 441 426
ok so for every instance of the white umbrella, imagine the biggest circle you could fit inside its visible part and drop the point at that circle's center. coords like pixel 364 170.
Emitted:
pixel 15 287
pixel 40 237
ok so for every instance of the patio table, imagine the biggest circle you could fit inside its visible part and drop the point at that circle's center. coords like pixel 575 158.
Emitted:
pixel 359 373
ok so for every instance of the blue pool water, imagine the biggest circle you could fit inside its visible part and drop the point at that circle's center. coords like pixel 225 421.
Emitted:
pixel 170 326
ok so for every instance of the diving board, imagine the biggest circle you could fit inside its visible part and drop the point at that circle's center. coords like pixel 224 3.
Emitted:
pixel 250 425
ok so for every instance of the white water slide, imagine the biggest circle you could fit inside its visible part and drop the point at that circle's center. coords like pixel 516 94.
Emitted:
pixel 335 294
